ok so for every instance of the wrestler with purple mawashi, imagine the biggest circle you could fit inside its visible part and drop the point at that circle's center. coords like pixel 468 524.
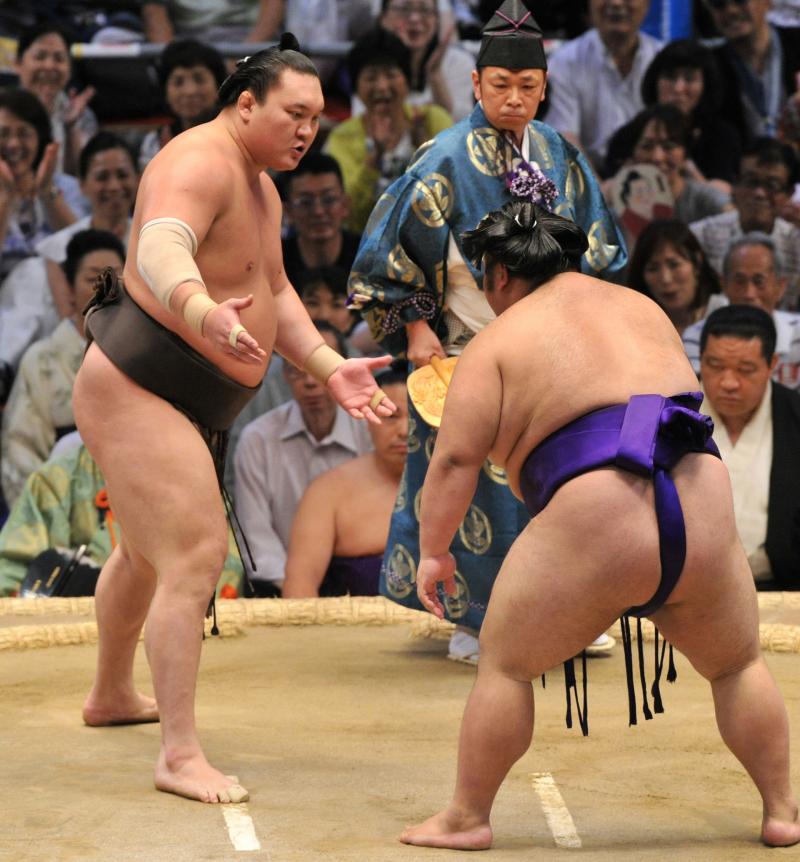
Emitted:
pixel 571 390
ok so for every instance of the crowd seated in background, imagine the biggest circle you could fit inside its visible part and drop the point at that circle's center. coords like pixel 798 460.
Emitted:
pixel 767 175
pixel 374 148
pixel 44 67
pixel 757 430
pixel 339 532
pixel 232 21
pixel 35 198
pixel 441 71
pixel 752 275
pixel 35 295
pixel 39 408
pixel 669 266
pixel 759 64
pixel 64 504
pixel 594 81
pixel 684 74
pixel 316 208
pixel 660 136
pixel 190 73
pixel 277 456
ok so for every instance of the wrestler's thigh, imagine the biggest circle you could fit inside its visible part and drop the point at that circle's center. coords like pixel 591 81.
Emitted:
pixel 712 615
pixel 160 477
pixel 591 554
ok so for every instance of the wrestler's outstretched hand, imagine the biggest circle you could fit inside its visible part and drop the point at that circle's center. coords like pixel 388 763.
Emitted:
pixel 431 571
pixel 354 387
pixel 224 330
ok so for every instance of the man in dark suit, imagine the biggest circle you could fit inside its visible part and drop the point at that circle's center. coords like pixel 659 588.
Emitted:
pixel 757 429
pixel 758 61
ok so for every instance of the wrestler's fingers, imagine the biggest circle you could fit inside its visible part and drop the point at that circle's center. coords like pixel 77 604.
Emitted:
pixel 386 407
pixel 355 412
pixel 369 415
pixel 450 586
pixel 430 601
pixel 379 361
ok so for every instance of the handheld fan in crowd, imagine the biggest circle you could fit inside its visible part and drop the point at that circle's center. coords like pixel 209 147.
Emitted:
pixel 427 388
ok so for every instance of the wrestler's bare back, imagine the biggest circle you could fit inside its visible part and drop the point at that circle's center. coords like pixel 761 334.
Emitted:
pixel 573 345
pixel 203 178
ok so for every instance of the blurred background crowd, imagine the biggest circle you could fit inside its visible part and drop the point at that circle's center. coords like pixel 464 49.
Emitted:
pixel 688 113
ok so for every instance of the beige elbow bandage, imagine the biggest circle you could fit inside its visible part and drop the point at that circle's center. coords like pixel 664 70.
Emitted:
pixel 322 362
pixel 165 259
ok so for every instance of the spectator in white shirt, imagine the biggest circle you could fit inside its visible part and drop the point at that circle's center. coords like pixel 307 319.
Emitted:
pixel 279 454
pixel 595 80
pixel 752 275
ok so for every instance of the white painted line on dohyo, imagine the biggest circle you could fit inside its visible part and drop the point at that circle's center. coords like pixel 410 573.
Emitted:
pixel 555 811
pixel 240 827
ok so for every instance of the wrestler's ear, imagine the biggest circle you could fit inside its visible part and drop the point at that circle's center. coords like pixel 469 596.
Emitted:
pixel 245 104
pixel 544 88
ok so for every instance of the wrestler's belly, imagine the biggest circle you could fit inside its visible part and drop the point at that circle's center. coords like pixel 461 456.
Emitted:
pixel 258 319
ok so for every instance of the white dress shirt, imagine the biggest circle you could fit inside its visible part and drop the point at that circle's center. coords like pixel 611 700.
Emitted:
pixel 276 459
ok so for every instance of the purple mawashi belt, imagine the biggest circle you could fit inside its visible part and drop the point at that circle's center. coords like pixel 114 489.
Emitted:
pixel 647 436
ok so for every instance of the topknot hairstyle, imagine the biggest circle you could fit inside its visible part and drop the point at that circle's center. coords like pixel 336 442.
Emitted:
pixel 528 240
pixel 260 72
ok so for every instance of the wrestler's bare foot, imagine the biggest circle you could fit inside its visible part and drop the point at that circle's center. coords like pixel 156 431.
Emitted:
pixel 192 776
pixel 133 708
pixel 452 830
pixel 780 829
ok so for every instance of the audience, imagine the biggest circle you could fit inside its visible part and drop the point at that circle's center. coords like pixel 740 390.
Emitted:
pixel 660 136
pixel 36 295
pixel 44 68
pixel 757 429
pixel 316 208
pixel 684 74
pixel 190 73
pixel 39 408
pixel 35 199
pixel 752 275
pixel 595 80
pixel 669 266
pixel 324 294
pixel 232 21
pixel 375 148
pixel 441 72
pixel 64 504
pixel 277 456
pixel 340 529
pixel 758 61
pixel 767 174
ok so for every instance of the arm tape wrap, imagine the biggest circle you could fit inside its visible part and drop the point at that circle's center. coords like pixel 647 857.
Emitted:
pixel 165 257
pixel 322 362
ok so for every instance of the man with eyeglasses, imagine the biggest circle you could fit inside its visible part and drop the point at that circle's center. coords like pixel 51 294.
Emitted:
pixel 316 206
pixel 767 174
pixel 758 61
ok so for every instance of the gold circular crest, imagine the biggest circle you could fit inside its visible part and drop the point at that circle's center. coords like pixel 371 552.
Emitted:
pixel 476 531
pixel 495 473
pixel 432 200
pixel 413 440
pixel 429 444
pixel 420 152
pixel 402 492
pixel 418 503
pixel 400 267
pixel 600 252
pixel 382 206
pixel 401 574
pixel 486 151
pixel 458 605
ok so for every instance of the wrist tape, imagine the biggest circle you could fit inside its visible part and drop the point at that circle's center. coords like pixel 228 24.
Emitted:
pixel 322 362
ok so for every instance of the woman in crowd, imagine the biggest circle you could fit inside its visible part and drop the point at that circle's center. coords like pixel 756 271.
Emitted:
pixel 190 73
pixel 441 72
pixel 374 149
pixel 339 532
pixel 670 267
pixel 35 199
pixel 684 74
pixel 44 68
pixel 659 136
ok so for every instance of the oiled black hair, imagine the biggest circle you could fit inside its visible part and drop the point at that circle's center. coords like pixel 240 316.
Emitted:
pixel 261 71
pixel 529 241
